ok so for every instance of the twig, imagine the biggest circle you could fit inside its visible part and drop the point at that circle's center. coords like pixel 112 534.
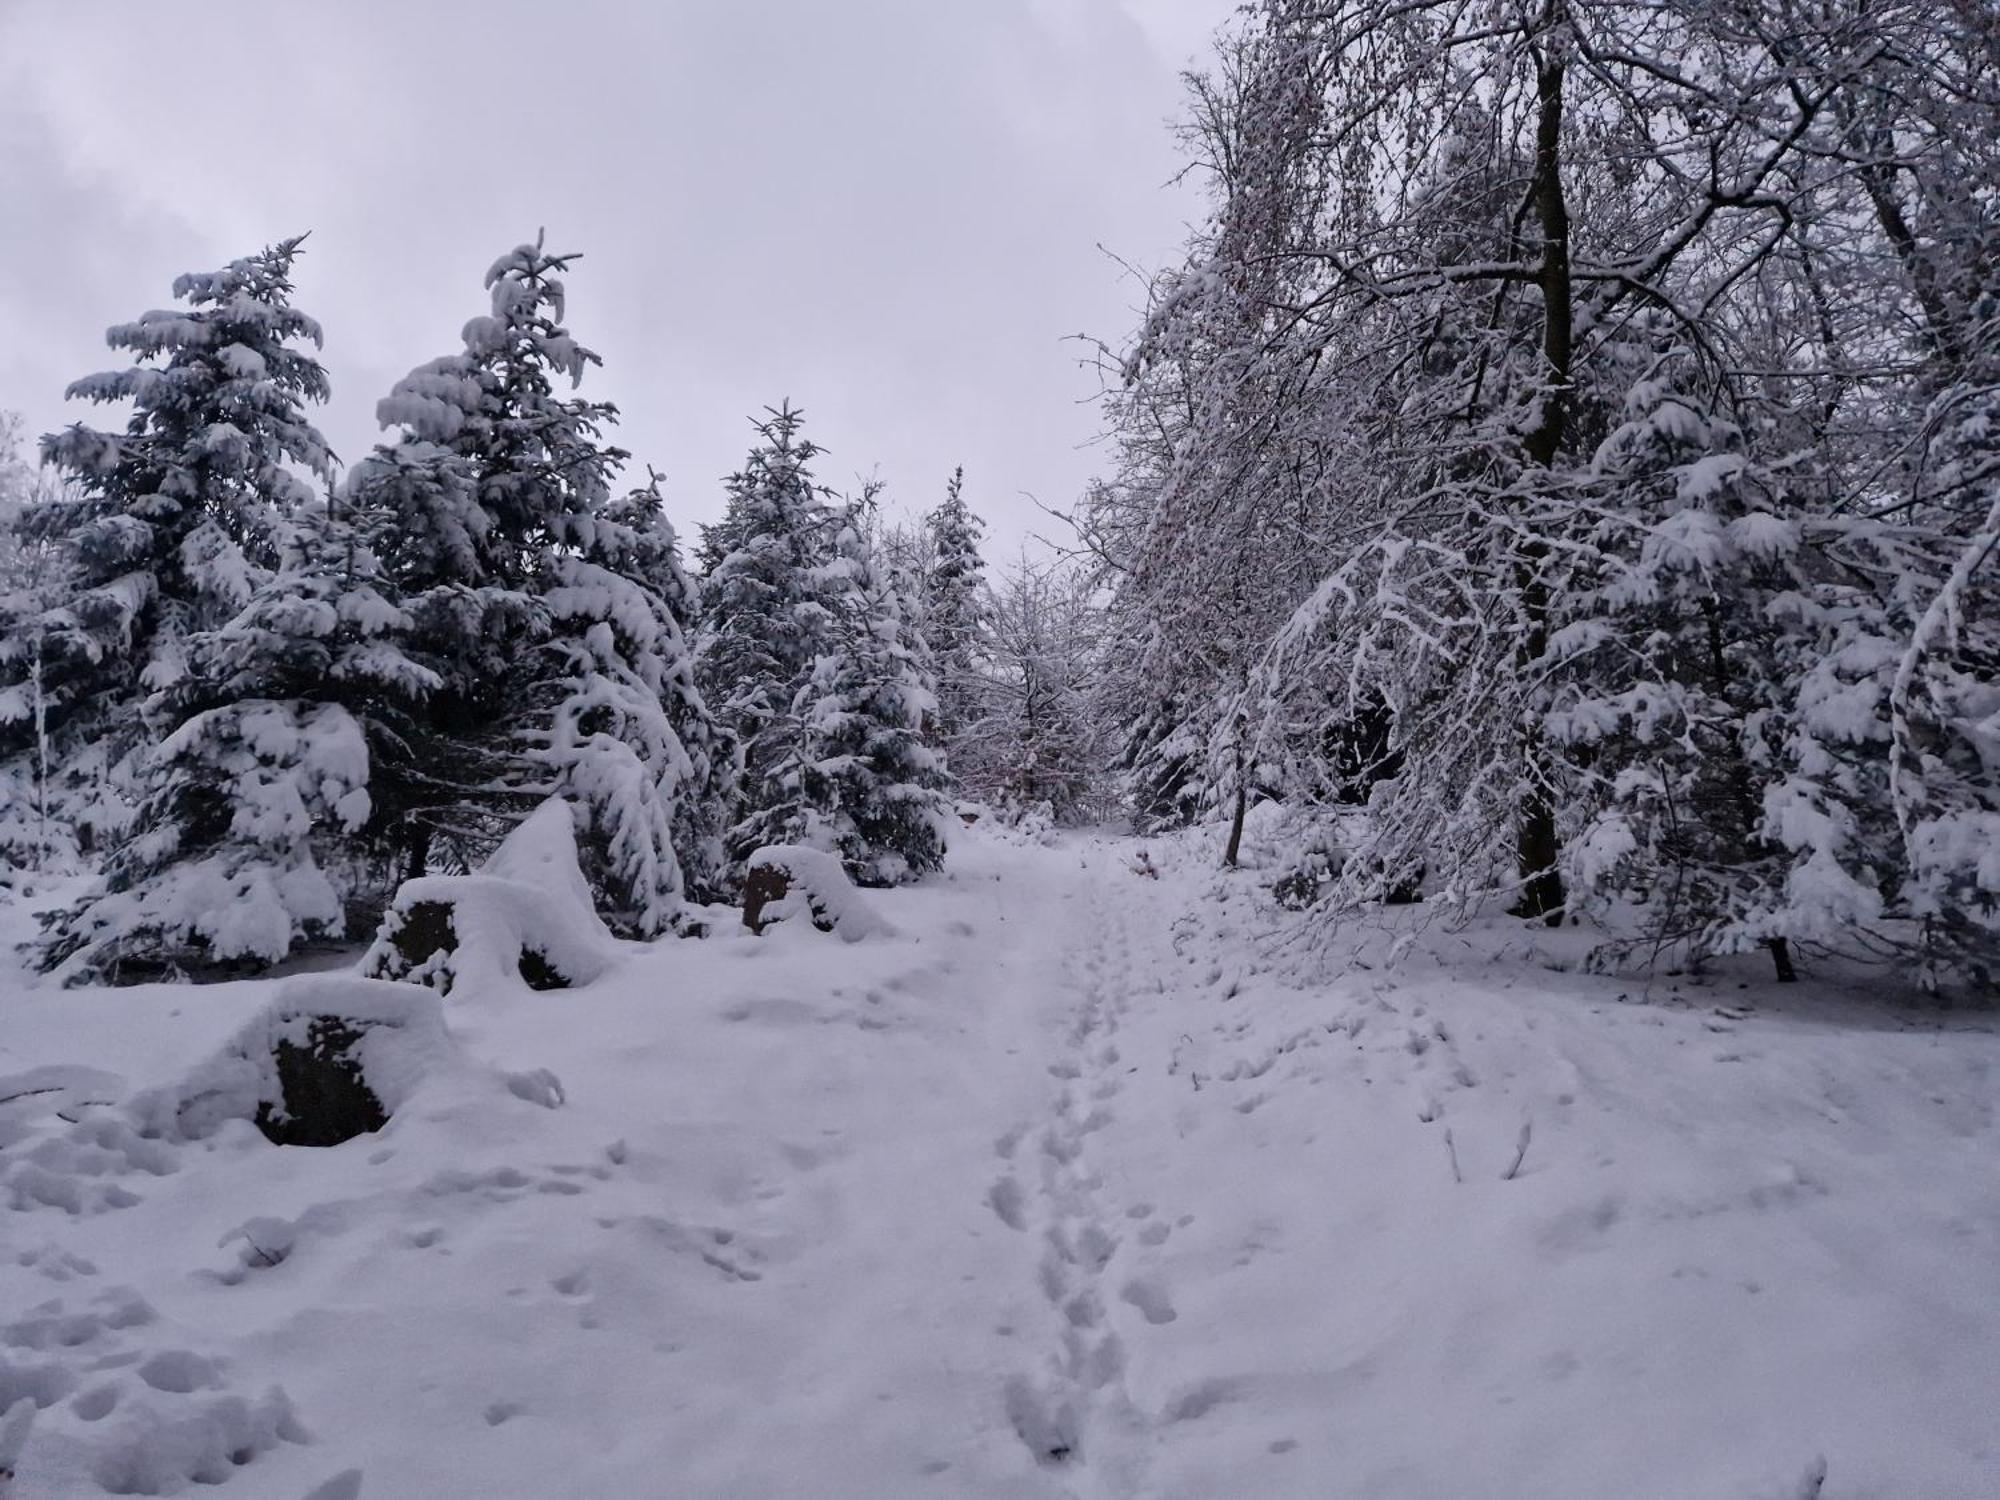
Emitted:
pixel 1451 1151
pixel 1520 1150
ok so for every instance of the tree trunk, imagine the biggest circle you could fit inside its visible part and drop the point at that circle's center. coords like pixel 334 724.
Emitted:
pixel 1781 956
pixel 417 851
pixel 1236 822
pixel 43 858
pixel 1538 846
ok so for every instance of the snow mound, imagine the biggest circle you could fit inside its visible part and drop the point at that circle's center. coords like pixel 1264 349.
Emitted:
pixel 57 1088
pixel 526 918
pixel 786 881
pixel 93 1398
pixel 327 1049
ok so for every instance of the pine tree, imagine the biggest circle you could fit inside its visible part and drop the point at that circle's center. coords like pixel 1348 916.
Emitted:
pixel 1665 664
pixel 764 627
pixel 873 789
pixel 652 557
pixel 172 525
pixel 628 735
pixel 956 613
pixel 257 831
pixel 557 657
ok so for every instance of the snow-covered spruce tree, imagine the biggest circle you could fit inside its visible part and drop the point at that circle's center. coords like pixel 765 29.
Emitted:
pixel 32 834
pixel 159 531
pixel 650 553
pixel 627 733
pixel 1667 670
pixel 257 832
pixel 955 609
pixel 1944 700
pixel 552 651
pixel 874 790
pixel 765 624
pixel 442 558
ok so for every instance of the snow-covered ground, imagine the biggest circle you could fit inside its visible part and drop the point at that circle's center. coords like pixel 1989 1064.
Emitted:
pixel 1081 1181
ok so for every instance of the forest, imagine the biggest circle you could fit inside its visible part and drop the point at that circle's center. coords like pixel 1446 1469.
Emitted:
pixel 1431 930
pixel 257 694
pixel 1570 443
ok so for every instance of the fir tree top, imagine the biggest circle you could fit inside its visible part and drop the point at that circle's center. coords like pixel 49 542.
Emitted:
pixel 168 528
pixel 218 423
pixel 540 474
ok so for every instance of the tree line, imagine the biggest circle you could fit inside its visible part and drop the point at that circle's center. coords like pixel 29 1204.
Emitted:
pixel 253 692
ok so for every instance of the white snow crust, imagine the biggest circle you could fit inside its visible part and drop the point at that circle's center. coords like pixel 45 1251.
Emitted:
pixel 1097 1177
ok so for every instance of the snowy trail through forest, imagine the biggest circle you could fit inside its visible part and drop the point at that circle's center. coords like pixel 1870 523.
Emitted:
pixel 1080 1182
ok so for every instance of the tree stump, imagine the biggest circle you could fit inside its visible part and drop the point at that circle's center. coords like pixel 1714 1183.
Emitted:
pixel 327 1100
pixel 764 886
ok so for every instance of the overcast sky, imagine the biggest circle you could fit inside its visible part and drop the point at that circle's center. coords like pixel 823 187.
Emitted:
pixel 888 211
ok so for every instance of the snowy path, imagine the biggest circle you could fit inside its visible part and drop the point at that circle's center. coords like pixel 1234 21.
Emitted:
pixel 1065 1192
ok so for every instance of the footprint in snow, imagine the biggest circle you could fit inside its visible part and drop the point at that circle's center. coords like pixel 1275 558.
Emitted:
pixel 1047 1426
pixel 1151 1300
pixel 1005 1199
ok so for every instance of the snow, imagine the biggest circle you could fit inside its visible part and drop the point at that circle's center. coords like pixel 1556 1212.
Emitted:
pixel 1098 1176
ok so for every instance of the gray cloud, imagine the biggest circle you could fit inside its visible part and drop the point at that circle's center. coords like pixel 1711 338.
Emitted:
pixel 886 210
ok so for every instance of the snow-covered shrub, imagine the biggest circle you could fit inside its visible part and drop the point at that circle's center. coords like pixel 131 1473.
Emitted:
pixel 1308 861
pixel 223 870
pixel 788 881
pixel 526 917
